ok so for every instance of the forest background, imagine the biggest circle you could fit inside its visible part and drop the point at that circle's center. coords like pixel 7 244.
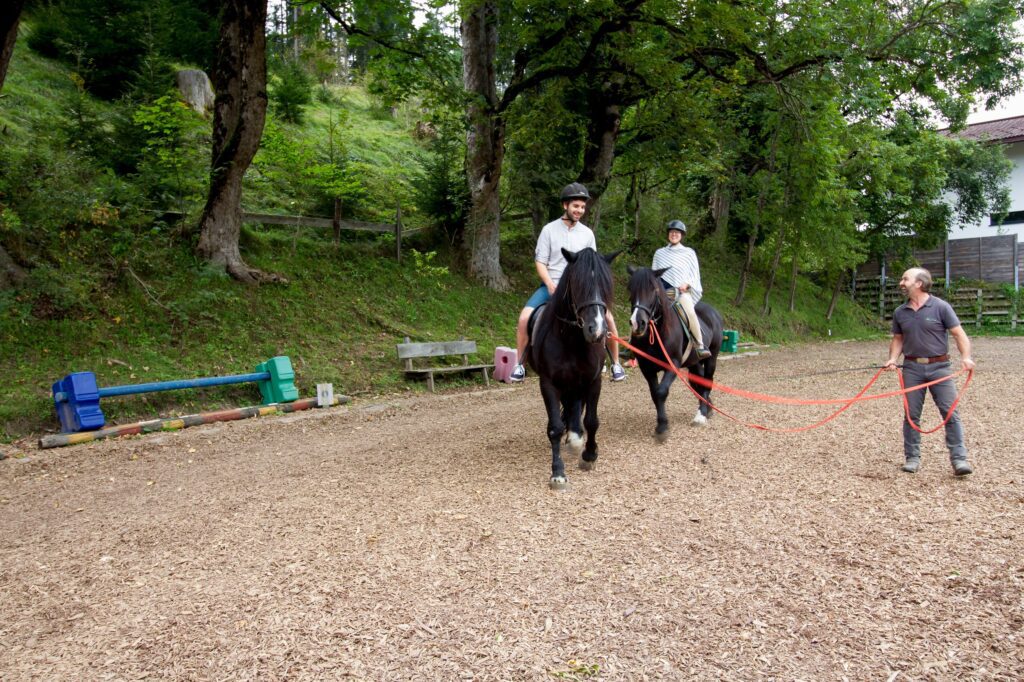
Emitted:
pixel 796 140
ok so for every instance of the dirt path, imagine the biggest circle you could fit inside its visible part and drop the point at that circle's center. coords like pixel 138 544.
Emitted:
pixel 417 539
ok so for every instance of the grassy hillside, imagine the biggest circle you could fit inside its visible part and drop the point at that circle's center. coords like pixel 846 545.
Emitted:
pixel 132 304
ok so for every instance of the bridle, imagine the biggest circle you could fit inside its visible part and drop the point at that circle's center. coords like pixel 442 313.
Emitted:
pixel 653 311
pixel 577 311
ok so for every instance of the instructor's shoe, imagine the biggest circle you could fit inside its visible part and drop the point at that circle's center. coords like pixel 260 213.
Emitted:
pixel 703 353
pixel 618 374
pixel 962 468
pixel 912 465
pixel 518 374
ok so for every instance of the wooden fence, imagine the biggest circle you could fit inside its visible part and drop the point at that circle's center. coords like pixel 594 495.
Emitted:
pixel 336 223
pixel 978 306
pixel 996 259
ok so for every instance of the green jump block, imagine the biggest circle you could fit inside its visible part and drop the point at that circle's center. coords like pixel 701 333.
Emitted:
pixel 280 387
pixel 730 340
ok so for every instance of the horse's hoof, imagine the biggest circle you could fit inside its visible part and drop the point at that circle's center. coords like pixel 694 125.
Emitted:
pixel 574 441
pixel 661 436
pixel 559 483
pixel 587 466
pixel 699 420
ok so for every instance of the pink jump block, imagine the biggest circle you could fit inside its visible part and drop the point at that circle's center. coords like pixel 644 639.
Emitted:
pixel 504 362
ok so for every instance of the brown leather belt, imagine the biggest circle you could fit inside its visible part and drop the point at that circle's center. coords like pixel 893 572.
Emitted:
pixel 926 361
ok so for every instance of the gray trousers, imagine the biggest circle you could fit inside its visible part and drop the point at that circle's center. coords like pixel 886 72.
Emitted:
pixel 943 394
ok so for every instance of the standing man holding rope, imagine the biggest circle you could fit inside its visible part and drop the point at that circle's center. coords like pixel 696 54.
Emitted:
pixel 920 331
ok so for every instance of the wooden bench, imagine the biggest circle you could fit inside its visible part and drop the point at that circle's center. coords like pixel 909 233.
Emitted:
pixel 410 351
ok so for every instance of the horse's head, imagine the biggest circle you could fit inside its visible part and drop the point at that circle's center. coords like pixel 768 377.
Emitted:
pixel 647 297
pixel 586 291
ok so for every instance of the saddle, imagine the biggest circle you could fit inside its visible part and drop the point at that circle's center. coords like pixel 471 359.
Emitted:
pixel 689 357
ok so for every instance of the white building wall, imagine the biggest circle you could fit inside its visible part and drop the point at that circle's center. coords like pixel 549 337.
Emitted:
pixel 1015 152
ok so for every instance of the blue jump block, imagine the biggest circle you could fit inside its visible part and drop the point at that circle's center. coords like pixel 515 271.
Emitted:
pixel 80 410
pixel 76 397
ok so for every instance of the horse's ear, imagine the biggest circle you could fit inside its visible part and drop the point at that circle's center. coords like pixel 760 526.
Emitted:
pixel 660 271
pixel 609 257
pixel 570 256
pixel 631 269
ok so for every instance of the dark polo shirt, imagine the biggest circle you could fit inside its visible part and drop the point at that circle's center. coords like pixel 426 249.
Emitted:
pixel 925 330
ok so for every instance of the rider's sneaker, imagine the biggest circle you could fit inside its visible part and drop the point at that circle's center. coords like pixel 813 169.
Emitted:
pixel 703 353
pixel 618 374
pixel 518 374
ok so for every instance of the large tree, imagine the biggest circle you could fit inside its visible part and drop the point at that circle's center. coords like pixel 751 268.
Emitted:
pixel 10 15
pixel 239 112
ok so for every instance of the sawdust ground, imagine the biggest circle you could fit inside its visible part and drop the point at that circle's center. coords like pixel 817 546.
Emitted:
pixel 417 538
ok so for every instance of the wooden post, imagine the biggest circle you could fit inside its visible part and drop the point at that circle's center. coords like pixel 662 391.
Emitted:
pixel 977 321
pixel 398 233
pixel 336 222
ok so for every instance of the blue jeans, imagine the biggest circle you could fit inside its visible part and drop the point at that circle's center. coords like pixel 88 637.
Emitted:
pixel 943 394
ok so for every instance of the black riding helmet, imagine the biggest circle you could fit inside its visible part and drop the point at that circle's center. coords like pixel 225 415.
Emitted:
pixel 676 225
pixel 575 191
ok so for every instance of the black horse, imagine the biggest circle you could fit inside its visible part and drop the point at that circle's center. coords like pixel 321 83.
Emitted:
pixel 651 305
pixel 566 350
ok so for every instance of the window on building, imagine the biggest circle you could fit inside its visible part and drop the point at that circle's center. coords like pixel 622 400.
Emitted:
pixel 1012 218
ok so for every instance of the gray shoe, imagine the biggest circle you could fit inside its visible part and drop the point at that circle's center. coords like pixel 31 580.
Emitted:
pixel 962 468
pixel 912 465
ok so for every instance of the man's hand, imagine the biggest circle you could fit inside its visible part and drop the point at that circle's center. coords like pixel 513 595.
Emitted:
pixel 890 363
pixel 967 362
pixel 683 288
pixel 551 288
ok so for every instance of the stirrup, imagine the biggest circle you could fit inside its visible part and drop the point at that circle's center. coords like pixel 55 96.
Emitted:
pixel 703 353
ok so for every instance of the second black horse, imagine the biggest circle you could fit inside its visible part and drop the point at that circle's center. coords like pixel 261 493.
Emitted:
pixel 651 306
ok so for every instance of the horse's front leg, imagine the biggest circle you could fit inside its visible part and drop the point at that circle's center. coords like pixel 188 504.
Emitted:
pixel 703 393
pixel 555 430
pixel 572 408
pixel 659 394
pixel 591 422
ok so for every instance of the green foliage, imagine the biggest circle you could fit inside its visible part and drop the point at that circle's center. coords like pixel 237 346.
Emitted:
pixel 291 90
pixel 170 165
pixel 311 176
pixel 117 44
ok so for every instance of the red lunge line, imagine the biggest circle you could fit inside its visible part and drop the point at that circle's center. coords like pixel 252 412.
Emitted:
pixel 844 402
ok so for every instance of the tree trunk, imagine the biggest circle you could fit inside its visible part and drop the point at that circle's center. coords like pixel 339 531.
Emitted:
pixel 485 145
pixel 741 291
pixel 835 294
pixel 10 14
pixel 602 134
pixel 239 111
pixel 794 270
pixel 11 273
pixel 765 307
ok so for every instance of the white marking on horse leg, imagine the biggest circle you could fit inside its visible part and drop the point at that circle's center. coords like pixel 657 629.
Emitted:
pixel 699 419
pixel 574 441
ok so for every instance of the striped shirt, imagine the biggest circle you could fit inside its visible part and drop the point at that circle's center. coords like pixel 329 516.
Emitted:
pixel 683 268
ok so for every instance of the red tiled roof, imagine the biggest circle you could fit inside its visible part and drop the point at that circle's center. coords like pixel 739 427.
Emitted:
pixel 1005 130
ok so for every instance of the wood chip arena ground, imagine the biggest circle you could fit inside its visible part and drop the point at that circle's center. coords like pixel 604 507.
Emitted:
pixel 416 539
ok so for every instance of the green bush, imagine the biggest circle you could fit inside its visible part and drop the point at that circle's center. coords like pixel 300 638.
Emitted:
pixel 292 90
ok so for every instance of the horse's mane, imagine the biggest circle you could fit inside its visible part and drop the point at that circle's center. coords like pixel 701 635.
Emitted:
pixel 590 277
pixel 644 282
